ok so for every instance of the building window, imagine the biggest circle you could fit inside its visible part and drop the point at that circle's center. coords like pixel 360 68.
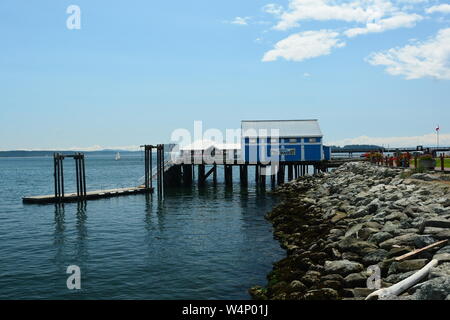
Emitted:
pixel 253 140
pixel 312 140
pixel 293 140
pixel 274 140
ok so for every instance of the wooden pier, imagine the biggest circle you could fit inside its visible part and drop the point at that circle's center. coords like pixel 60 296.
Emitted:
pixel 60 196
pixel 93 195
pixel 182 172
pixel 185 171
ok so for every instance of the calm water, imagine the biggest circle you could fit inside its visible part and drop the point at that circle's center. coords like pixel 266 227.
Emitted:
pixel 212 243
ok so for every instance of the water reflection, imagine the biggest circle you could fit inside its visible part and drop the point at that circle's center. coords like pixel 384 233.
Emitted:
pixel 81 250
pixel 59 237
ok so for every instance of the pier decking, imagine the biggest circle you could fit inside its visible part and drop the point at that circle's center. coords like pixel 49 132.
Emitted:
pixel 93 195
pixel 60 196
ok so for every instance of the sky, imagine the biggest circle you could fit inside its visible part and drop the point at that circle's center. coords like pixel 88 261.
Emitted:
pixel 371 71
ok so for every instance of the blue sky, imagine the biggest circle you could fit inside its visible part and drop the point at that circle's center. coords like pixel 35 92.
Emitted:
pixel 369 70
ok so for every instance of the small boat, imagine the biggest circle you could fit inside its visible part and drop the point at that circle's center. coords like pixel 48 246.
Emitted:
pixel 117 156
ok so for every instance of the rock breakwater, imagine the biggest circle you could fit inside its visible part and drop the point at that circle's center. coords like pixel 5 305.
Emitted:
pixel 343 228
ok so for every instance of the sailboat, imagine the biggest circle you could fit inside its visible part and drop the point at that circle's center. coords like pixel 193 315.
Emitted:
pixel 117 156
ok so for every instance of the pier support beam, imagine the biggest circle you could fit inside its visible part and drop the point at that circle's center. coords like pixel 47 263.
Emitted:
pixel 187 174
pixel 201 174
pixel 280 175
pixel 262 176
pixel 228 174
pixel 160 168
pixel 148 151
pixel 290 172
pixel 243 174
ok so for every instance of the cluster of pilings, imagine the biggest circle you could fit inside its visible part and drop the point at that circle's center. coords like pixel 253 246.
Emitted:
pixel 160 167
pixel 185 174
pixel 58 163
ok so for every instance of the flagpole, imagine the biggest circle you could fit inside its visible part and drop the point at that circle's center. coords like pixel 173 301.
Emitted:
pixel 437 136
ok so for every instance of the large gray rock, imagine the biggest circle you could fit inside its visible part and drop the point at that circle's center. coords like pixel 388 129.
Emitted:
pixel 322 294
pixel 380 237
pixel 435 289
pixel 424 177
pixel 354 280
pixel 311 278
pixel 343 267
pixel 442 257
pixel 445 249
pixel 408 239
pixel 355 245
pixel 375 256
pixel 397 277
pixel 408 265
pixel 442 270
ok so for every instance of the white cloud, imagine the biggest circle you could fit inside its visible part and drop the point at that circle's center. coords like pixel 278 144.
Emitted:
pixel 243 21
pixel 412 141
pixel 442 8
pixel 323 10
pixel 412 1
pixel 401 20
pixel 304 45
pixel 85 149
pixel 273 8
pixel 424 59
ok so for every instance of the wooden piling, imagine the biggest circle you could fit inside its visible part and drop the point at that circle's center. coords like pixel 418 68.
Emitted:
pixel 290 173
pixel 201 174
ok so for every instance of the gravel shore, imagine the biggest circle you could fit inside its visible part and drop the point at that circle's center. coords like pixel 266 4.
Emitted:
pixel 339 228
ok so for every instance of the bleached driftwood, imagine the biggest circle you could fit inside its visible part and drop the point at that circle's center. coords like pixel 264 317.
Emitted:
pixel 402 286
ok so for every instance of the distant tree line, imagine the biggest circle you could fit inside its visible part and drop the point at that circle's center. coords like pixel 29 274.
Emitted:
pixel 356 147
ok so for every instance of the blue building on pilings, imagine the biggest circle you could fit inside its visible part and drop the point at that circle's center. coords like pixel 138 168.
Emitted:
pixel 286 141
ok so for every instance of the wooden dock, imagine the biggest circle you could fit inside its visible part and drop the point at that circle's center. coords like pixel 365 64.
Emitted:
pixel 92 195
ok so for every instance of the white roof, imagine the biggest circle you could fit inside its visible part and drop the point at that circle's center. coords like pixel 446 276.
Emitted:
pixel 207 144
pixel 287 128
pixel 198 145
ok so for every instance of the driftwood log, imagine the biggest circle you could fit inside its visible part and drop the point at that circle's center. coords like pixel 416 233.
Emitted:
pixel 417 251
pixel 402 286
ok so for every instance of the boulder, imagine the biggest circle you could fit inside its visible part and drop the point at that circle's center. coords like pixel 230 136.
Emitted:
pixel 397 277
pixel 343 267
pixel 311 278
pixel 333 277
pixel 380 237
pixel 435 289
pixel 361 292
pixel 406 266
pixel 424 177
pixel 297 286
pixel 442 270
pixel 403 240
pixel 442 257
pixel 356 246
pixel 375 257
pixel 322 294
pixel 355 280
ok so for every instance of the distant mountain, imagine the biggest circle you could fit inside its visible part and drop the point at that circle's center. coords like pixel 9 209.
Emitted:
pixel 47 153
pixel 23 153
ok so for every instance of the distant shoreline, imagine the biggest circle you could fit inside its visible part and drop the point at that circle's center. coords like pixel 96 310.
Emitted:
pixel 32 154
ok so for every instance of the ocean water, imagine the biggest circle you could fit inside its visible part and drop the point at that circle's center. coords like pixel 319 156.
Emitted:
pixel 207 243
